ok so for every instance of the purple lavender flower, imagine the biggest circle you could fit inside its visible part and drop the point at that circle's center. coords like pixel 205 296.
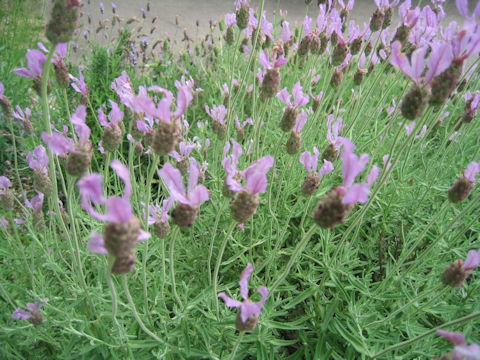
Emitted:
pixel 218 113
pixel 311 182
pixel 4 184
pixel 275 63
pixel 158 217
pixel 38 160
pixel 249 311
pixel 461 351
pixel 457 272
pixel 182 157
pixel 241 126
pixel 80 86
pixel 464 185
pixel 352 166
pixel 122 231
pixel 24 117
pixel 255 176
pixel 35 61
pixel 190 198
pixel 230 19
pixel 33 315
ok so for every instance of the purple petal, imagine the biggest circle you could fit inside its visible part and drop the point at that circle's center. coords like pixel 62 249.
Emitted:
pixel 119 210
pixel 256 183
pixel 471 171
pixel 439 60
pixel 124 174
pixel 96 244
pixel 21 314
pixel 299 98
pixel 307 159
pixel 473 260
pixel 78 120
pixel 248 309
pixel 34 306
pixel 327 168
pixel 233 184
pixel 193 175
pixel 300 123
pixel 174 182
pixel 184 97
pixel 229 301
pixel 116 115
pixel 35 60
pixel 418 62
pixel 4 183
pixel 356 193
pixel 61 49
pixel 454 337
pixel 284 97
pixel 143 235
pixel 462 6
pixel 373 175
pixel 58 143
pixel 262 165
pixel 91 187
pixel 244 277
pixel 263 59
pixel 399 59
pixel 198 195
pixel 23 72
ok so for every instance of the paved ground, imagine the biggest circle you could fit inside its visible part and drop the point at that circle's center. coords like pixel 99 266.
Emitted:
pixel 189 11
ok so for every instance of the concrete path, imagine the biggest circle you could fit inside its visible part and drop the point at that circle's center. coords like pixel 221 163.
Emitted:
pixel 189 11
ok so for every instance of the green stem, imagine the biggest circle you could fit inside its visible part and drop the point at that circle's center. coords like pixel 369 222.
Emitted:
pixel 172 268
pixel 236 346
pixel 212 241
pixel 135 313
pixel 293 257
pixel 145 225
pixel 425 334
pixel 233 224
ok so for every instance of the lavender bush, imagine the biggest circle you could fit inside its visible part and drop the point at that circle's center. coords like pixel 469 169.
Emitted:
pixel 332 163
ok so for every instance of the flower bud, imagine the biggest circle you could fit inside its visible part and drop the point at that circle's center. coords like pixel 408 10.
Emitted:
pixel 444 84
pixel 184 215
pixel 112 137
pixel 79 161
pixel 166 138
pixel 124 264
pixel 248 325
pixel 270 85
pixel 336 78
pixel 455 274
pixel 120 241
pixel 356 45
pixel 36 318
pixel 240 134
pixel 244 206
pixel 229 36
pixel 316 45
pixel 368 48
pixel 377 19
pixel 339 53
pixel 6 200
pixel 402 34
pixel 61 74
pixel 62 23
pixel 414 102
pixel 388 17
pixel 161 229
pixel 6 107
pixel 358 77
pixel 42 182
pixel 330 210
pixel 304 46
pixel 310 185
pixel 242 16
pixel 293 143
pixel 288 120
pixel 460 190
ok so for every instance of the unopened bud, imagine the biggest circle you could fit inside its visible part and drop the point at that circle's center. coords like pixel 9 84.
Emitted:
pixel 377 19
pixel 336 78
pixel 339 54
pixel 288 120
pixel 184 215
pixel 161 229
pixel 294 143
pixel 166 138
pixel 42 182
pixel 62 22
pixel 414 102
pixel 330 210
pixel 244 206
pixel 242 16
pixel 460 190
pixel 455 274
pixel 270 85
pixel 310 185
pixel 112 137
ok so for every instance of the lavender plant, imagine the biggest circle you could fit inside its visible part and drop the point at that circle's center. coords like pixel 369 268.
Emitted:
pixel 354 258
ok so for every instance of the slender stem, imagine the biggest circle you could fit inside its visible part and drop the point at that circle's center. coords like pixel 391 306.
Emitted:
pixel 212 241
pixel 427 333
pixel 145 224
pixel 113 292
pixel 172 268
pixel 135 313
pixel 218 263
pixel 294 256
pixel 237 344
